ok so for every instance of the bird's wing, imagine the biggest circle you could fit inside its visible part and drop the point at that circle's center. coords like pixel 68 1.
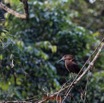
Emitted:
pixel 73 67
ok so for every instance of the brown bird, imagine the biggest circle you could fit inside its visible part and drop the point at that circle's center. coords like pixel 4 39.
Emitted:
pixel 70 63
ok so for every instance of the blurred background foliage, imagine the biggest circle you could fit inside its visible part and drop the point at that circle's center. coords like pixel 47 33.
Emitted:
pixel 29 50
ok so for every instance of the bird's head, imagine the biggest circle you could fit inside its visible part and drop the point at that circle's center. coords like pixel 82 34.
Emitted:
pixel 66 57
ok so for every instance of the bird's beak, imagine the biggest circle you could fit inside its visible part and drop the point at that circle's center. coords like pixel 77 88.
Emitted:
pixel 60 60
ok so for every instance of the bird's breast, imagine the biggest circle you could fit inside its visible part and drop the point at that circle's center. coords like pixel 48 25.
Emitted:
pixel 68 65
pixel 71 66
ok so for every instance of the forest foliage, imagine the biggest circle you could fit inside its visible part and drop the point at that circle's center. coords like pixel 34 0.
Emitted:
pixel 29 50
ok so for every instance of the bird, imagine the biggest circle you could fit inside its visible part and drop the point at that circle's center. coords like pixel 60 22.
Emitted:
pixel 70 63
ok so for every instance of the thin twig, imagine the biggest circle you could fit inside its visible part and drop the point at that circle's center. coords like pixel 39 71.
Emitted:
pixel 85 91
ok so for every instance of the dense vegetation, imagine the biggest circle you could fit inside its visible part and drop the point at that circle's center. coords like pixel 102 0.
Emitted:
pixel 29 50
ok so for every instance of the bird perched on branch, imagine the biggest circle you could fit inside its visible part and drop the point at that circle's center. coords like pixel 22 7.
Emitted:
pixel 70 63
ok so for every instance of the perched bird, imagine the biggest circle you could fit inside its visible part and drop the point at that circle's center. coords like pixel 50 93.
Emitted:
pixel 70 63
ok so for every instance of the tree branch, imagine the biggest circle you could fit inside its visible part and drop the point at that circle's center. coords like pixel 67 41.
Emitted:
pixel 71 86
pixel 16 14
pixel 56 96
pixel 88 68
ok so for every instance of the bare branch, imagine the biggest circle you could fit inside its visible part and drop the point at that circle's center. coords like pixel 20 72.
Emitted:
pixel 16 14
pixel 90 65
pixel 56 96
pixel 88 68
pixel 79 77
